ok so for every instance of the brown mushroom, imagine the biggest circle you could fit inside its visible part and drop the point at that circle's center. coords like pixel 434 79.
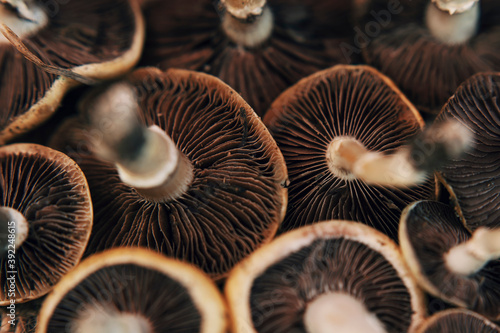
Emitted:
pixel 341 130
pixel 457 321
pixel 97 39
pixel 20 318
pixel 47 214
pixel 335 276
pixel 198 177
pixel 449 263
pixel 473 178
pixel 257 47
pixel 430 47
pixel 133 290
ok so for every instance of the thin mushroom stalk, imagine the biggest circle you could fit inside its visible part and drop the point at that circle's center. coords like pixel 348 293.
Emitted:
pixel 470 256
pixel 453 21
pixel 340 313
pixel 146 157
pixel 14 229
pixel 410 165
pixel 248 23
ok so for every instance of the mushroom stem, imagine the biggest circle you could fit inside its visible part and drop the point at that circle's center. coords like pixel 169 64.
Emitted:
pixel 100 321
pixel 14 230
pixel 24 17
pixel 340 313
pixel 347 158
pixel 249 26
pixel 146 158
pixel 453 21
pixel 470 256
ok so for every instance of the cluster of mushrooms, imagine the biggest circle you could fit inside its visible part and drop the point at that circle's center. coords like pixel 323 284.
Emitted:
pixel 270 166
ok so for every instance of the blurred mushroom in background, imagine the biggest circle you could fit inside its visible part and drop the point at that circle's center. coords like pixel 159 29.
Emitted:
pixel 178 162
pixel 429 47
pixel 60 41
pixel 457 321
pixel 258 47
pixel 473 179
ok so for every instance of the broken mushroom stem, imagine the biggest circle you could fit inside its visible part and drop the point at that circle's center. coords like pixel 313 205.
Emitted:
pixel 15 229
pixel 248 23
pixel 341 313
pixel 409 165
pixel 470 256
pixel 453 21
pixel 146 157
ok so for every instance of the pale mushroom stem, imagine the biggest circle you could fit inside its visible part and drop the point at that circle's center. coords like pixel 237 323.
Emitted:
pixel 101 321
pixel 14 230
pixel 453 21
pixel 146 158
pixel 248 23
pixel 470 256
pixel 348 158
pixel 340 313
pixel 24 17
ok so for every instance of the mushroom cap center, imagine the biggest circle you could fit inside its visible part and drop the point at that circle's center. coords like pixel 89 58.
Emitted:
pixel 96 319
pixel 22 27
pixel 341 155
pixel 14 230
pixel 340 313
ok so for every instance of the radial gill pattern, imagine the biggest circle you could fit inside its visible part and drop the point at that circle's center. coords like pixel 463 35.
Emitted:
pixel 306 38
pixel 79 32
pixel 281 294
pixel 474 177
pixel 51 192
pixel 342 101
pixel 234 203
pixel 429 71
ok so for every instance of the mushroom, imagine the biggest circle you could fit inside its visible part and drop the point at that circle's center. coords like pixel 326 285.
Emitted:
pixel 47 214
pixel 133 290
pixel 472 179
pixel 80 39
pixel 20 318
pixel 457 321
pixel 447 261
pixel 335 276
pixel 198 176
pixel 430 47
pixel 345 134
pixel 258 47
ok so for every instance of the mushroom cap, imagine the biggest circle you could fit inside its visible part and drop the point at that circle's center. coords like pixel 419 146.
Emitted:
pixel 427 70
pixel 307 36
pixel 50 190
pixel 457 321
pixel 237 198
pixel 94 38
pixel 25 314
pixel 473 180
pixel 428 230
pixel 355 101
pixel 269 290
pixel 173 296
